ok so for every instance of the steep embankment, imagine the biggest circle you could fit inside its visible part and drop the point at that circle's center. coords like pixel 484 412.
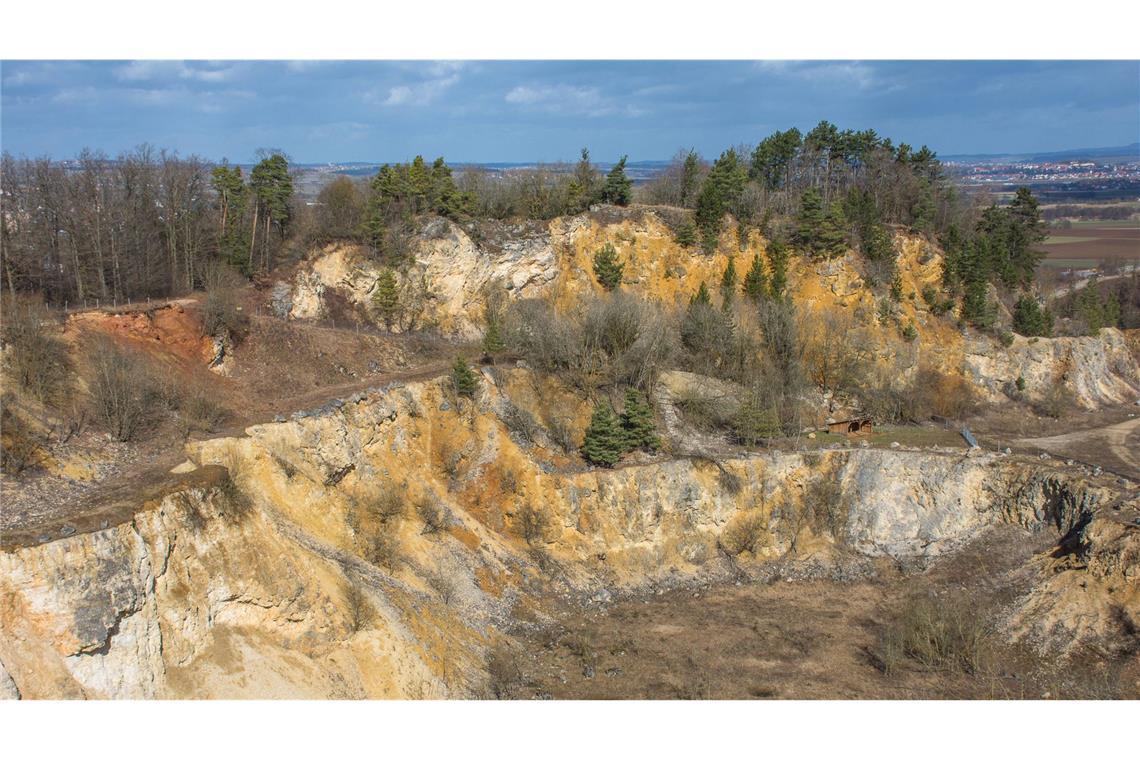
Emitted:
pixel 382 545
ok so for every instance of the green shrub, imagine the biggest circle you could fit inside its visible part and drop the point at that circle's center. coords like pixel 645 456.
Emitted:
pixel 605 441
pixel 465 380
pixel 607 268
pixel 637 422
pixel 1031 319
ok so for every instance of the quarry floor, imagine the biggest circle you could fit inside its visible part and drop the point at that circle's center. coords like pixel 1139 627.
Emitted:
pixel 790 639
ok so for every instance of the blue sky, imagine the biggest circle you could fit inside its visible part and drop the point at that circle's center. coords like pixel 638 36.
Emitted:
pixel 547 110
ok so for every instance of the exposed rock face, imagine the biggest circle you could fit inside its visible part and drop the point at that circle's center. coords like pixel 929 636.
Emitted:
pixel 1096 370
pixel 280 579
pixel 450 269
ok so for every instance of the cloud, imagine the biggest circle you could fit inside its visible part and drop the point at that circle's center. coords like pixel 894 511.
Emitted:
pixel 145 71
pixel 844 73
pixel 416 94
pixel 569 100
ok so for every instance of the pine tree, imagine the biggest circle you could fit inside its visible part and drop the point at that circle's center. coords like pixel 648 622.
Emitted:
pixel 607 268
pixel 605 441
pixel 686 234
pixel 465 380
pixel 1030 319
pixel 618 189
pixel 701 296
pixel 809 222
pixel 778 256
pixel 493 338
pixel 583 188
pixel 728 282
pixel 386 298
pixel 637 422
pixel 756 281
pixel 720 192
pixel 832 239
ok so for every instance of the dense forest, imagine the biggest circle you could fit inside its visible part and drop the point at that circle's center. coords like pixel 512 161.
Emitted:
pixel 150 223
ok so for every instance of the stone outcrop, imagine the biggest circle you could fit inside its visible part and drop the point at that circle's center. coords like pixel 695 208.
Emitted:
pixel 1094 370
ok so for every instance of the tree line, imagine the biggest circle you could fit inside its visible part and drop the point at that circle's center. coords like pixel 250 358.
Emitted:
pixel 145 224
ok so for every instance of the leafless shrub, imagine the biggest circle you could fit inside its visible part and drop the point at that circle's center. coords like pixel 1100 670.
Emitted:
pixel 434 515
pixel 503 674
pixel 199 410
pixel 387 505
pixel 440 580
pixel 938 634
pixel 222 313
pixel 823 504
pixel 561 432
pixel 383 549
pixel 519 422
pixel 122 396
pixel 746 532
pixel 358 607
pixel 729 482
pixel 509 481
pixel 233 504
pixel 20 446
pixel 705 410
pixel 1056 401
pixel 533 525
pixel 36 358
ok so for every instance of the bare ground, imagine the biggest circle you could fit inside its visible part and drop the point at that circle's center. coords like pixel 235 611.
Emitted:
pixel 801 640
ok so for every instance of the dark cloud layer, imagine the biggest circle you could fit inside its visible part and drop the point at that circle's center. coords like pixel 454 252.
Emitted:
pixel 524 111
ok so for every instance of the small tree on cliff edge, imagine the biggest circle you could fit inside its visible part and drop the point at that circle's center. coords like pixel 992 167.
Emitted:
pixel 605 441
pixel 607 268
pixel 618 189
pixel 466 382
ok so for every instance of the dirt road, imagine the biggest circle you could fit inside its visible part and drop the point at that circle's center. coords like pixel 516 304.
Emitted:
pixel 1115 447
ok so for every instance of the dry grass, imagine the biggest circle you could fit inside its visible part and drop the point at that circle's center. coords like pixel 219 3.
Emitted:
pixel 937 634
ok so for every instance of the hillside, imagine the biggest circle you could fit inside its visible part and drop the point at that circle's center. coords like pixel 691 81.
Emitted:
pixel 345 525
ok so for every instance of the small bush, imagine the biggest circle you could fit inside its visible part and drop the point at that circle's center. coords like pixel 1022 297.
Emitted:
pixel 745 532
pixel 358 608
pixel 607 268
pixel 1056 401
pixel 824 506
pixel 561 432
pixel 199 410
pixel 386 506
pixel 705 411
pixel 938 634
pixel 533 524
pixel 434 515
pixel 383 549
pixel 520 422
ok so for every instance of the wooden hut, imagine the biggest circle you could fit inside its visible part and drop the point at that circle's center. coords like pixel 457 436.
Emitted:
pixel 853 426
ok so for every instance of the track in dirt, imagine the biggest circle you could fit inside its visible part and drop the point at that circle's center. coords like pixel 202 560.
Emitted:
pixel 1115 447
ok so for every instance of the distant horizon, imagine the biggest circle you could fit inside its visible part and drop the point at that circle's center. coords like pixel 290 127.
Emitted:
pixel 545 111
pixel 1135 146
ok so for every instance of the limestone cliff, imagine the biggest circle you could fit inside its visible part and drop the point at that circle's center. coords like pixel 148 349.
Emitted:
pixel 378 546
